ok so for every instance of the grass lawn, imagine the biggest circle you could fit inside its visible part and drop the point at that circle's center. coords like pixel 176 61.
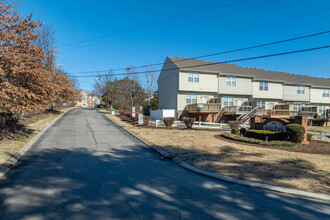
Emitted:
pixel 202 148
pixel 319 129
pixel 31 126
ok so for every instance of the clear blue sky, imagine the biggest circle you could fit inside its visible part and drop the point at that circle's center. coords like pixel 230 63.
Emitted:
pixel 131 33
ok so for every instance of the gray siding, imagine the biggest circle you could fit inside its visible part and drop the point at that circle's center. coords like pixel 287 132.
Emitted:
pixel 168 82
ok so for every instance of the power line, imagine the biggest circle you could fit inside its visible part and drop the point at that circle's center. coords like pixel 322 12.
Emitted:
pixel 215 63
pixel 219 53
pixel 238 30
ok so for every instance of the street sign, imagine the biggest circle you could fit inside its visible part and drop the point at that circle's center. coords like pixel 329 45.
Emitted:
pixel 133 112
pixel 140 119
pixel 113 111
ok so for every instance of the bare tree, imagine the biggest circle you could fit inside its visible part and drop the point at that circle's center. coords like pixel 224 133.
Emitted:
pixel 150 81
pixel 46 42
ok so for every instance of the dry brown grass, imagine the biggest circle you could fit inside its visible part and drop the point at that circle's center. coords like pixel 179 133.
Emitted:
pixel 10 147
pixel 319 129
pixel 308 172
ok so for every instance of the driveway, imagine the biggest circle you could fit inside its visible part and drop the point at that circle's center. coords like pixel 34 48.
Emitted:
pixel 86 167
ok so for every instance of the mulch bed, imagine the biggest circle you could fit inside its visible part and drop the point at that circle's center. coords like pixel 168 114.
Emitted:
pixel 314 146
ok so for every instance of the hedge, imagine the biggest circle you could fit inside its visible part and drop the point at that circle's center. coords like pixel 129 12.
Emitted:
pixel 168 121
pixel 270 135
pixel 189 122
pixel 296 132
pixel 256 141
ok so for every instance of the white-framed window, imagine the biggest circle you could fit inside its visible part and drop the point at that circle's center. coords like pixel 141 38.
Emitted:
pixel 297 107
pixel 271 106
pixel 193 77
pixel 191 98
pixel 228 101
pixel 326 93
pixel 231 80
pixel 261 103
pixel 322 109
pixel 300 89
pixel 263 86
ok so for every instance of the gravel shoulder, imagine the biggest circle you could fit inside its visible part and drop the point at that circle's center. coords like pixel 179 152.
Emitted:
pixel 202 149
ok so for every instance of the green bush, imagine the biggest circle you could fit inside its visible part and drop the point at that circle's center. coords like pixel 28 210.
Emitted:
pixel 257 141
pixel 309 137
pixel 242 131
pixel 269 135
pixel 189 122
pixel 168 121
pixel 295 132
pixel 234 131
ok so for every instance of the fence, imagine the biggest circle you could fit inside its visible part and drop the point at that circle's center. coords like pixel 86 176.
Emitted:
pixel 320 135
pixel 197 124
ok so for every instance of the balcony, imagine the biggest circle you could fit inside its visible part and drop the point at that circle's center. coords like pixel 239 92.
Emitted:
pixel 204 108
pixel 236 110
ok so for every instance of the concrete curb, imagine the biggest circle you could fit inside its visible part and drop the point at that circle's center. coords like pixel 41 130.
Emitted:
pixel 257 185
pixel 13 160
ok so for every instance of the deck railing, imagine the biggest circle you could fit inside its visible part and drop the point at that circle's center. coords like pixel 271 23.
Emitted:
pixel 204 107
pixel 237 110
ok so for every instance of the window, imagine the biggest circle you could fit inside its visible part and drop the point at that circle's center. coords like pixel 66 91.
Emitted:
pixel 271 106
pixel 326 93
pixel 231 80
pixel 263 86
pixel 322 109
pixel 297 107
pixel 193 77
pixel 261 103
pixel 228 101
pixel 300 89
pixel 191 98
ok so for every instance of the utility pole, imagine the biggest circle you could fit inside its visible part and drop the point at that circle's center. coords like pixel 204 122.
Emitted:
pixel 133 106
pixel 53 58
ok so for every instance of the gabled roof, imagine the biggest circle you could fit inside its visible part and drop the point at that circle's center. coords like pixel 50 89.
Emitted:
pixel 257 74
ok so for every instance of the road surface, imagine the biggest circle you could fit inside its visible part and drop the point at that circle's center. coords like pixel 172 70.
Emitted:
pixel 86 167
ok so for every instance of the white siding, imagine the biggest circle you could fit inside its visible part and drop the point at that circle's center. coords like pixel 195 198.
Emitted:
pixel 317 97
pixel 207 83
pixel 290 93
pixel 243 86
pixel 275 91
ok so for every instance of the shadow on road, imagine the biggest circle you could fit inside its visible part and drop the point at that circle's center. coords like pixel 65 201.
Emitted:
pixel 121 183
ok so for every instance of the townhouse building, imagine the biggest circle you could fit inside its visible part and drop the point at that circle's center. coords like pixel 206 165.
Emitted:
pixel 222 91
pixel 88 99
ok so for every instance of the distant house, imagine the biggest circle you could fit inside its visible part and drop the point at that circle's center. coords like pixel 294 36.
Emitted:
pixel 88 99
pixel 222 91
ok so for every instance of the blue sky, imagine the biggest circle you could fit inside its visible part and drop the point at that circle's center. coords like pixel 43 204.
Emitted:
pixel 131 33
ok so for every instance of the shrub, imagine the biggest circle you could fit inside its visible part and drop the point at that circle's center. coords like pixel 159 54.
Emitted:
pixel 295 132
pixel 168 121
pixel 234 124
pixel 309 137
pixel 189 122
pixel 146 120
pixel 242 131
pixel 269 135
pixel 256 141
pixel 234 131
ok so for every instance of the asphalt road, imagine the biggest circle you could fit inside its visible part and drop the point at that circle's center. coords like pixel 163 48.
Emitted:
pixel 85 167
